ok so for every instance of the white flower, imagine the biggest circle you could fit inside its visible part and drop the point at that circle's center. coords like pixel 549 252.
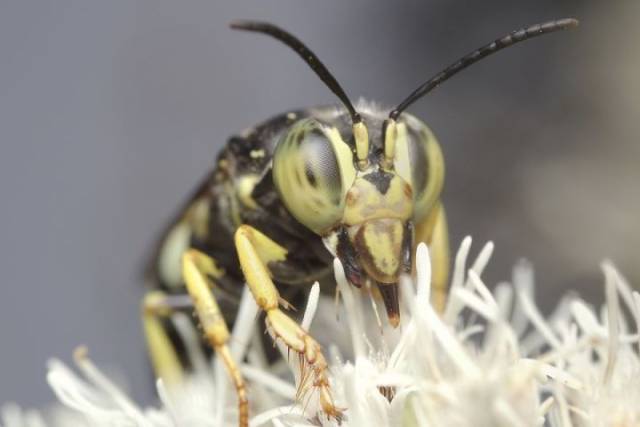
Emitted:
pixel 491 359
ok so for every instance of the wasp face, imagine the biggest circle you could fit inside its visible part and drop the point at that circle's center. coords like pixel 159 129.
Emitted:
pixel 375 241
pixel 362 190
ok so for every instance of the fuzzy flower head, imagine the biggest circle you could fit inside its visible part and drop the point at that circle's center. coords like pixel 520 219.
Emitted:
pixel 490 359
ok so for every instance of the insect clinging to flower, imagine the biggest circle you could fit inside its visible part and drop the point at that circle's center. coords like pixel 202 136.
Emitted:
pixel 293 193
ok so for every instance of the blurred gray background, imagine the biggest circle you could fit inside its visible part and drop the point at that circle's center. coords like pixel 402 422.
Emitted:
pixel 111 112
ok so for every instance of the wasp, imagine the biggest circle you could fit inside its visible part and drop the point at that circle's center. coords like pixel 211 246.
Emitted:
pixel 293 193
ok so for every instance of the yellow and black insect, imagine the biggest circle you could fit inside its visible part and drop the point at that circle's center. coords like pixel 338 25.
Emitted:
pixel 360 184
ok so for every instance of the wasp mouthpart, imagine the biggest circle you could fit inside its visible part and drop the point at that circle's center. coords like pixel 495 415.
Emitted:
pixel 389 294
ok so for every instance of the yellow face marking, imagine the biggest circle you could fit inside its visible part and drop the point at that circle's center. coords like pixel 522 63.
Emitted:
pixel 435 180
pixel 379 244
pixel 345 159
pixel 402 162
pixel 365 202
pixel 419 150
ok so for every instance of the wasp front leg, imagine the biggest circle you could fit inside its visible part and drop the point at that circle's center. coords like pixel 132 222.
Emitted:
pixel 256 251
pixel 433 231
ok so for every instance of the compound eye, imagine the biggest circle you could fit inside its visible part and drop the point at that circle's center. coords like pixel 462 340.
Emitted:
pixel 419 161
pixel 312 170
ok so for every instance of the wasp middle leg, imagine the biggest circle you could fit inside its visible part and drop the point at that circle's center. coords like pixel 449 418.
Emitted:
pixel 197 269
pixel 255 252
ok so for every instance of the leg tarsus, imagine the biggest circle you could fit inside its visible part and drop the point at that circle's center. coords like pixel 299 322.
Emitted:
pixel 238 382
pixel 299 340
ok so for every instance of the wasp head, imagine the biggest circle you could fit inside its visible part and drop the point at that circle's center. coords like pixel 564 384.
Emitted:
pixel 375 240
pixel 362 191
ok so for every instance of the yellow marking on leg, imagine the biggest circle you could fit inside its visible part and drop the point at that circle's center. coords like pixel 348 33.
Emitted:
pixel 245 186
pixel 433 231
pixel 255 250
pixel 267 249
pixel 164 358
pixel 252 246
pixel 213 324
pixel 205 264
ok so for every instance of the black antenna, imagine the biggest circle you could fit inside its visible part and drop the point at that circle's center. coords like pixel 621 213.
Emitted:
pixel 305 53
pixel 486 50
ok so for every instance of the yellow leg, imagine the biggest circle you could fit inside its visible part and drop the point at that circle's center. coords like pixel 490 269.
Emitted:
pixel 164 359
pixel 255 251
pixel 433 231
pixel 196 268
